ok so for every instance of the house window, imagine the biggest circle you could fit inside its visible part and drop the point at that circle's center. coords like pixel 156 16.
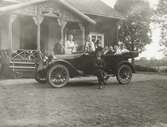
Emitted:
pixel 97 36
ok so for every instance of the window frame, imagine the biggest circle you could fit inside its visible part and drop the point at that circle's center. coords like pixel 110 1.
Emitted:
pixel 96 35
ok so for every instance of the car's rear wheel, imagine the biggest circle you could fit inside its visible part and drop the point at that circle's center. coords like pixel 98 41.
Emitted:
pixel 124 74
pixel 58 76
pixel 40 77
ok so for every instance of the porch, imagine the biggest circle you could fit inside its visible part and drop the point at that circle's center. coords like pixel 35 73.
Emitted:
pixel 39 26
pixel 28 33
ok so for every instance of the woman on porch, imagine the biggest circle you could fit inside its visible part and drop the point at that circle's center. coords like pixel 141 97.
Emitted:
pixel 58 49
pixel 70 45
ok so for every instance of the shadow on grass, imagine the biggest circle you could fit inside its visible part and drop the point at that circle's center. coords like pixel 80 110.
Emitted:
pixel 76 84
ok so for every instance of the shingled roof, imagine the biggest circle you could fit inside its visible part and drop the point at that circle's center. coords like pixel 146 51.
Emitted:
pixel 25 3
pixel 89 7
pixel 95 7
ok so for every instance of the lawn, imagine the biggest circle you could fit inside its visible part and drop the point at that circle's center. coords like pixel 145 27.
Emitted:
pixel 143 103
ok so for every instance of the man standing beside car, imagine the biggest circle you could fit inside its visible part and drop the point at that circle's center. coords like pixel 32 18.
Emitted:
pixel 99 67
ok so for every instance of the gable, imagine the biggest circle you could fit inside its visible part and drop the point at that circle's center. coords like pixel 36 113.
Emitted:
pixel 95 7
pixel 60 7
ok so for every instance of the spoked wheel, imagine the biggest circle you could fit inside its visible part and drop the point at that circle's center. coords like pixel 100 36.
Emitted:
pixel 40 77
pixel 124 74
pixel 58 76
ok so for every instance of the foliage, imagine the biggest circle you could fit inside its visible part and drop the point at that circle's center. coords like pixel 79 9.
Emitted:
pixel 135 30
pixel 152 62
pixel 161 15
pixel 151 65
pixel 144 68
pixel 162 8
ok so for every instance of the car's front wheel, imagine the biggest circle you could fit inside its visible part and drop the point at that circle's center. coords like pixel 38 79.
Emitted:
pixel 124 74
pixel 58 76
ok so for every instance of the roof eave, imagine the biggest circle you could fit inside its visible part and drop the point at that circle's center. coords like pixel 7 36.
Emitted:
pixel 18 6
pixel 21 5
pixel 113 17
pixel 11 1
pixel 78 12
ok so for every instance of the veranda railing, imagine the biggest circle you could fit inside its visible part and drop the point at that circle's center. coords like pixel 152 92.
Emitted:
pixel 23 56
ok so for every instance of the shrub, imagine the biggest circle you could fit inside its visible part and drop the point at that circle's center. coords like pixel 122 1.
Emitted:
pixel 145 69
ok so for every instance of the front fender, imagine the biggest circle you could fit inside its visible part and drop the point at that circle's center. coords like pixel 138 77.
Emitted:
pixel 127 63
pixel 72 70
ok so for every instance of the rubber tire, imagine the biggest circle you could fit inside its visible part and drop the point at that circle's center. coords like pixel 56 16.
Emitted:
pixel 52 69
pixel 38 79
pixel 118 76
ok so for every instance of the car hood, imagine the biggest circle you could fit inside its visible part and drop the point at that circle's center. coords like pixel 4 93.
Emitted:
pixel 71 56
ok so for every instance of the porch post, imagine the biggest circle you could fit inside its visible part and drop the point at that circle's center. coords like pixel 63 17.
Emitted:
pixel 38 20
pixel 62 24
pixel 82 28
pixel 118 27
pixel 12 18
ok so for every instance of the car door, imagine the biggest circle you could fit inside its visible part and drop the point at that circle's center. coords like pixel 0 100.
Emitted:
pixel 85 63
pixel 110 62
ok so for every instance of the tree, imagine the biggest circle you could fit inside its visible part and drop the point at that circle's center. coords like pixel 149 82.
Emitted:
pixel 162 8
pixel 135 31
pixel 161 18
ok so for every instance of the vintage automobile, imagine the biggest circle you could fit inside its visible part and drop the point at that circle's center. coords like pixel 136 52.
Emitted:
pixel 59 69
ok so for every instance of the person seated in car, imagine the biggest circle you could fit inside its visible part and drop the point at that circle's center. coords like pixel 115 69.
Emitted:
pixel 121 48
pixel 109 51
pixel 89 45
pixel 106 49
pixel 117 50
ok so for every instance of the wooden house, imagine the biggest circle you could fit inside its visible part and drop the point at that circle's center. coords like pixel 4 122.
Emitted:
pixel 39 24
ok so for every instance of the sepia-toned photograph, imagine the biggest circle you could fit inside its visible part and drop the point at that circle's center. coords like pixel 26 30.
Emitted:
pixel 83 63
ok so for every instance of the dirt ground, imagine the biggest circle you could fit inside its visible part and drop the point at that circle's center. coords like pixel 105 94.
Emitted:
pixel 142 103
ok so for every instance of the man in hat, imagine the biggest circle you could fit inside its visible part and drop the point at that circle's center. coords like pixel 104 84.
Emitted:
pixel 99 67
